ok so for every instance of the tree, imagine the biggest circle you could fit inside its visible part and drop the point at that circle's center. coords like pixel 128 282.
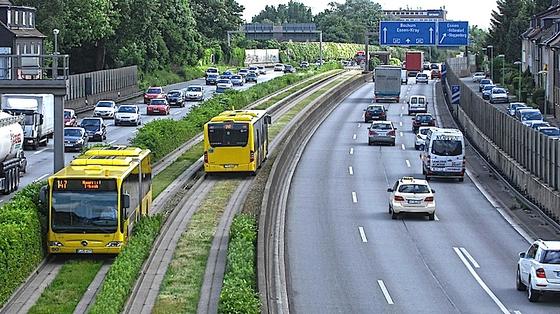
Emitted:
pixel 508 22
pixel 293 12
pixel 214 18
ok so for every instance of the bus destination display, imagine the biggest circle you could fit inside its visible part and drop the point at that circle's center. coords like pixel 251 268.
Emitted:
pixel 84 185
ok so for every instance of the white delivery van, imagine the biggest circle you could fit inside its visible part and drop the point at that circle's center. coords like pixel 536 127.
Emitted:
pixel 417 104
pixel 444 154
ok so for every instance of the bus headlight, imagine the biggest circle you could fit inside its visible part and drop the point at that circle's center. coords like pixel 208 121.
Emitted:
pixel 114 244
pixel 54 243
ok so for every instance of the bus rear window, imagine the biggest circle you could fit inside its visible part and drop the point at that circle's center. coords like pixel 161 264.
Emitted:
pixel 447 148
pixel 228 134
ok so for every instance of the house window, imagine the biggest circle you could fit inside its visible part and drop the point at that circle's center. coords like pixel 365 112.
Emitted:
pixel 16 18
pixel 24 20
pixel 31 19
pixel 9 17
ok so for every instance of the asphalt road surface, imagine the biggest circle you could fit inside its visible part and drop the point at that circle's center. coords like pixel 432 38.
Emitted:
pixel 346 255
pixel 40 162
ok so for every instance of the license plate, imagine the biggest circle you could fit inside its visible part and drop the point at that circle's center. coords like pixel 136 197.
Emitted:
pixel 67 145
pixel 156 110
pixel 229 166
pixel 414 201
pixel 84 251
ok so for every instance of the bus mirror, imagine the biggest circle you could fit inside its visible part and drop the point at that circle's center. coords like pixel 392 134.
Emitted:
pixel 44 194
pixel 125 201
pixel 268 120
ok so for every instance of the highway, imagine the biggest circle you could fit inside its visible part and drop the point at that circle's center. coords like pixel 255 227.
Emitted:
pixel 40 162
pixel 346 255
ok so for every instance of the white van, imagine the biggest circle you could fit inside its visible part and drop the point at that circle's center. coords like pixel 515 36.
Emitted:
pixel 444 154
pixel 417 104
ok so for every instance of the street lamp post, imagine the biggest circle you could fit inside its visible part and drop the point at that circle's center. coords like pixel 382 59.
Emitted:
pixel 503 69
pixel 519 63
pixel 491 48
pixel 55 57
pixel 545 92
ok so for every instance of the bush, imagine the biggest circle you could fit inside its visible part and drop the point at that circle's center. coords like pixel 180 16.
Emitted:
pixel 162 136
pixel 239 291
pixel 125 269
pixel 22 241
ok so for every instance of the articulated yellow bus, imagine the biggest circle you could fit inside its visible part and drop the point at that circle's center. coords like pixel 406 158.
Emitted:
pixel 236 141
pixel 96 199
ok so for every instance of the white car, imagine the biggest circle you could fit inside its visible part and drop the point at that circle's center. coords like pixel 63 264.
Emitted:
pixel 211 70
pixel 194 92
pixel 262 70
pixel 514 105
pixel 499 95
pixel 254 69
pixel 105 109
pixel 529 116
pixel 538 269
pixel 410 195
pixel 279 67
pixel 420 141
pixel 223 84
pixel 477 76
pixel 128 114
pixel 421 78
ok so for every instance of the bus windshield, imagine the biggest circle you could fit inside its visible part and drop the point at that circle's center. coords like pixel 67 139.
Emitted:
pixel 447 148
pixel 84 206
pixel 228 134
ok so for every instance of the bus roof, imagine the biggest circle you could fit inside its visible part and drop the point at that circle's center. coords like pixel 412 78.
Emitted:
pixel 97 167
pixel 119 150
pixel 239 115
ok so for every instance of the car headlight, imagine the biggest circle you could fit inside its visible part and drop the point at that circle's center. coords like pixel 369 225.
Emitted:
pixel 54 243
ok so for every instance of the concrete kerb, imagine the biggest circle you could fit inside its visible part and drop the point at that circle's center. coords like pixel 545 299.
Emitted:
pixel 271 272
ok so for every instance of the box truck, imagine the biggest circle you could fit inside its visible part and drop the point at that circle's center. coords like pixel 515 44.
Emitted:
pixel 414 62
pixel 38 112
pixel 387 83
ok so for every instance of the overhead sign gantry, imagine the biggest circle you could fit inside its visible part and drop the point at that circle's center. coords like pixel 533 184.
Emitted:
pixel 424 33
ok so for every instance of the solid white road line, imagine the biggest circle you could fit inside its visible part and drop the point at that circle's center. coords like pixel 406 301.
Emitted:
pixel 407 163
pixel 363 234
pixel 385 292
pixel 351 170
pixel 351 151
pixel 481 282
pixel 39 151
pixel 354 197
pixel 517 312
pixel 354 137
pixel 41 177
pixel 403 147
pixel 475 264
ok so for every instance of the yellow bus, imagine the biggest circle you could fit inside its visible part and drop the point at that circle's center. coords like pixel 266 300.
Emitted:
pixel 236 141
pixel 95 201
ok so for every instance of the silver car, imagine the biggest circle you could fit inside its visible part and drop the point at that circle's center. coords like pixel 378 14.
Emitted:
pixel 382 132
pixel 237 80
pixel 538 269
pixel 514 105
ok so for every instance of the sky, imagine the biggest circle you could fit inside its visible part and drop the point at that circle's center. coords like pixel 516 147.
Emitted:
pixel 477 12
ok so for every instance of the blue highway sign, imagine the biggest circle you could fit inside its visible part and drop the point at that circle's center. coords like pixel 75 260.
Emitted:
pixel 452 33
pixel 455 94
pixel 407 33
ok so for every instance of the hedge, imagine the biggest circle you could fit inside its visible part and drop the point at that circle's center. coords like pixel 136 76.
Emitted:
pixel 239 290
pixel 162 136
pixel 22 231
pixel 126 268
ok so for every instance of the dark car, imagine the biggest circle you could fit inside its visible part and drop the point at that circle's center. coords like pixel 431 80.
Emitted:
pixel 70 118
pixel 426 66
pixel 422 119
pixel 434 66
pixel 176 98
pixel 227 74
pixel 251 77
pixel 487 90
pixel 484 82
pixel 95 128
pixel 375 112
pixel 75 139
pixel 435 74
pixel 211 79
pixel 288 68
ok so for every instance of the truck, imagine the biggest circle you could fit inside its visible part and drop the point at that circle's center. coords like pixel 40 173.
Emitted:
pixel 38 113
pixel 12 157
pixel 387 83
pixel 414 62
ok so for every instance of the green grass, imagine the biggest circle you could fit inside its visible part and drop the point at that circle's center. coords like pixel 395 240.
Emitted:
pixel 180 289
pixel 173 171
pixel 66 291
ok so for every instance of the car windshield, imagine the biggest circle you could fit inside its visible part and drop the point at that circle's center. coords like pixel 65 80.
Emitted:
pixel 174 94
pixel 422 76
pixel 375 109
pixel 515 106
pixel 499 91
pixel 212 76
pixel 381 126
pixel 236 77
pixel 251 75
pixel 223 81
pixel 84 211
pixel 212 70
pixel 67 114
pixel 423 118
pixel 90 122
pixel 447 147
pixel 551 257
pixel 424 131
pixel 72 132
pixel 128 109
pixel 104 104
pixel 532 115
pixel 479 74
pixel 243 71
pixel 154 90
pixel 551 131
pixel 417 100
pixel 194 89
pixel 228 134
pixel 485 81
pixel 414 188
pixel 488 87
pixel 157 102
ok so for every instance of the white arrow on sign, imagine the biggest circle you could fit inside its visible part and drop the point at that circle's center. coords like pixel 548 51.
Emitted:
pixel 385 34
pixel 408 40
pixel 431 35
pixel 442 37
